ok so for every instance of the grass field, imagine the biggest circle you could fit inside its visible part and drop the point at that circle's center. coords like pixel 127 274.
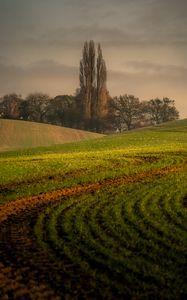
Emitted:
pixel 98 219
pixel 15 134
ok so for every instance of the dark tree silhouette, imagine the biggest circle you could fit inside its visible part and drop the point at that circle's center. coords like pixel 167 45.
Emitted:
pixel 93 93
pixel 127 111
pixel 162 110
pixel 11 106
pixel 101 89
pixel 36 106
pixel 87 78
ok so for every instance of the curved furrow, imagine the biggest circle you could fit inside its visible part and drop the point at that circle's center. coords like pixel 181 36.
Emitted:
pixel 77 228
pixel 134 237
pixel 84 257
pixel 126 241
pixel 152 210
pixel 78 254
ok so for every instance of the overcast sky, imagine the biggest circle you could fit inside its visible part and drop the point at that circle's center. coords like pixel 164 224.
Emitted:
pixel 144 44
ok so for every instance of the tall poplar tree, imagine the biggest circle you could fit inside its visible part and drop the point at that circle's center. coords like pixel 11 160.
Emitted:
pixel 87 78
pixel 101 88
pixel 93 90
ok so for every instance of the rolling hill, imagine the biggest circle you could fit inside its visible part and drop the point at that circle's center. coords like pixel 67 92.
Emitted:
pixel 97 219
pixel 15 134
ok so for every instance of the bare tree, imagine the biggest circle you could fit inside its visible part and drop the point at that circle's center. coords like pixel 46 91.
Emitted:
pixel 101 89
pixel 169 111
pixel 62 111
pixel 127 111
pixel 87 78
pixel 162 110
pixel 93 91
pixel 36 106
pixel 11 106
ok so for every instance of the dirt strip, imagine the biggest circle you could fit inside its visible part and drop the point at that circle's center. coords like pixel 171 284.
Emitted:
pixel 5 188
pixel 17 206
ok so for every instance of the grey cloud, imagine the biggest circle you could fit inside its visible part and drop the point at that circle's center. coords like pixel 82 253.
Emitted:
pixel 165 20
pixel 146 79
pixel 47 76
pixel 47 68
pixel 119 22
pixel 3 59
pixel 51 68
pixel 139 29
pixel 75 36
pixel 16 17
pixel 146 86
pixel 95 32
pixel 153 69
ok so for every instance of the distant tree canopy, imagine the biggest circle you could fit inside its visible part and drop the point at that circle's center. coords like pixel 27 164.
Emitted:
pixel 124 112
pixel 11 106
pixel 62 110
pixel 39 107
pixel 162 110
pixel 36 105
pixel 129 112
pixel 91 107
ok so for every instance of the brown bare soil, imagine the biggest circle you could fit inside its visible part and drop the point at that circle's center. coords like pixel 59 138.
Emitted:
pixel 13 208
pixel 185 201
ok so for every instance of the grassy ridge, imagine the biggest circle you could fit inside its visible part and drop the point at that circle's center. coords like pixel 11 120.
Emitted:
pixel 22 134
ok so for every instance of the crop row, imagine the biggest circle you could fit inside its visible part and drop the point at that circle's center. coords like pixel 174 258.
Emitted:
pixel 29 176
pixel 124 242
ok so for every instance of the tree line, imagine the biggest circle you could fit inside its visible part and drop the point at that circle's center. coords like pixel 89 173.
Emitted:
pixel 129 112
pixel 92 107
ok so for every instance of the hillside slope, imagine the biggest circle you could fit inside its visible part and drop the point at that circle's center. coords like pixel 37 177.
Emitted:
pixel 98 219
pixel 22 134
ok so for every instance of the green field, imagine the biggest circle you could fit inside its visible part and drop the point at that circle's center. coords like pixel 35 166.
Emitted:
pixel 98 219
